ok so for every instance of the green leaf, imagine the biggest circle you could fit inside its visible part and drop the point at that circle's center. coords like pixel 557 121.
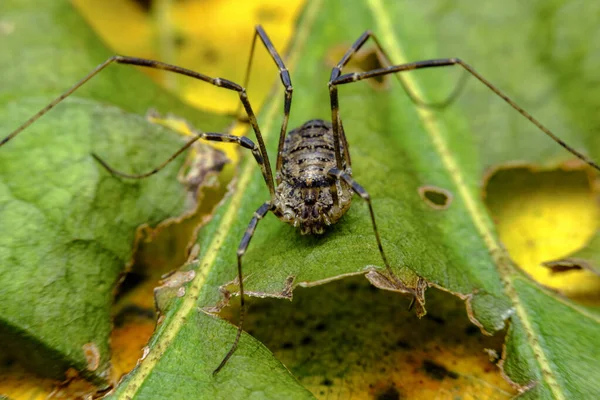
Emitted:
pixel 67 226
pixel 563 363
pixel 397 149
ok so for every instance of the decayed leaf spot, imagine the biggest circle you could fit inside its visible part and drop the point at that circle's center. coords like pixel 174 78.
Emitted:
pixel 436 197
pixel 171 287
pixel 178 278
pixel 145 352
pixel 438 371
pixel 92 356
pixel 390 393
pixel 145 5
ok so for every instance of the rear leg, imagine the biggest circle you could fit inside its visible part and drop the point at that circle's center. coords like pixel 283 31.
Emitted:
pixel 242 141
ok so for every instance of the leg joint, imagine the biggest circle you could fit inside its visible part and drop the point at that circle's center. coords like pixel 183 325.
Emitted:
pixel 228 84
pixel 247 143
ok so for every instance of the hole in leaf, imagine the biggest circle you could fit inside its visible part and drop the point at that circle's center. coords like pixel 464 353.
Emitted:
pixel 436 197
pixel 546 215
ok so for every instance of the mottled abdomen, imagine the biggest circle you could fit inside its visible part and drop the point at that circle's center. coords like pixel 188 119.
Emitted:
pixel 307 197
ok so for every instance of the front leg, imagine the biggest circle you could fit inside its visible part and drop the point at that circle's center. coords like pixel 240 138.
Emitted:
pixel 258 215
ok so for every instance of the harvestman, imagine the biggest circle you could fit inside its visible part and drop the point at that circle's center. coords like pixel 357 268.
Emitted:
pixel 313 169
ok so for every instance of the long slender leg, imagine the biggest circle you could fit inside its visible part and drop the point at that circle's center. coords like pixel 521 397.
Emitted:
pixel 258 215
pixel 210 136
pixel 358 189
pixel 444 62
pixel 285 80
pixel 414 98
pixel 336 72
pixel 219 82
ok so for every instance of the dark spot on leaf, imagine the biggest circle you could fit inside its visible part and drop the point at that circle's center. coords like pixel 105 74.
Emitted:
pixel 262 307
pixel 287 345
pixel 390 393
pixel 179 40
pixel 437 371
pixel 401 344
pixel 471 330
pixel 145 5
pixel 8 361
pixel 210 55
pixel 306 340
pixel 321 327
pixel 327 382
pixel 438 320
pixel 435 197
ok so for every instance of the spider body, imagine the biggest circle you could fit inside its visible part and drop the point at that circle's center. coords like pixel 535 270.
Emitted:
pixel 307 195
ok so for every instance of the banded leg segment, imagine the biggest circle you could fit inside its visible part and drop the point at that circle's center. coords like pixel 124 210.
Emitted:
pixel 445 62
pixel 141 62
pixel 285 80
pixel 358 189
pixel 242 141
pixel 258 215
